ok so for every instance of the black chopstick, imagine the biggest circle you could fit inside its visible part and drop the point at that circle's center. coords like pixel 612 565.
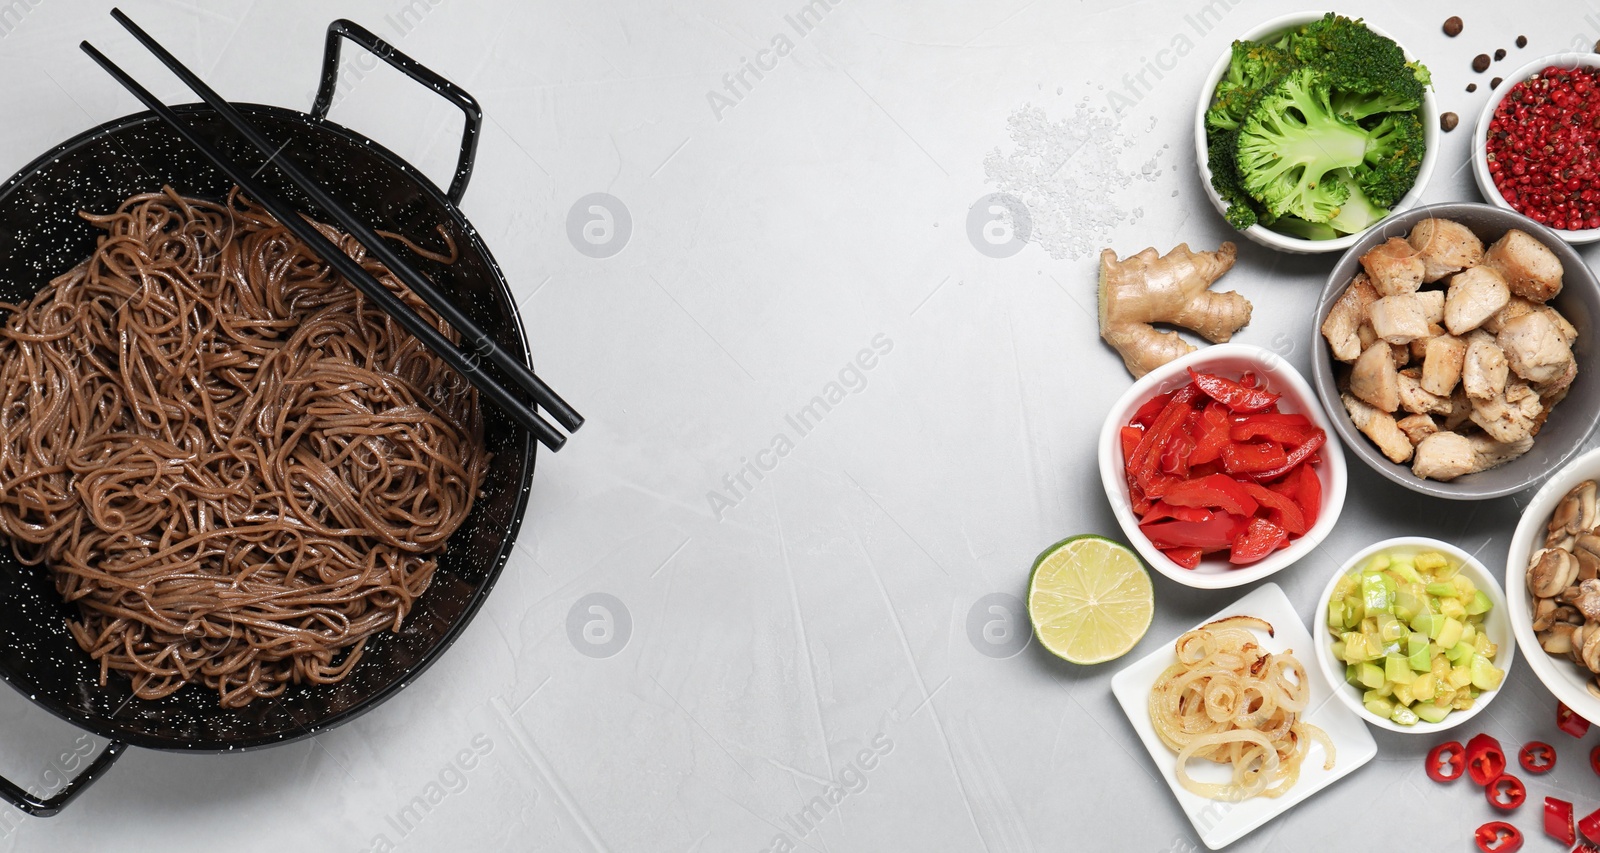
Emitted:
pixel 319 245
pixel 474 337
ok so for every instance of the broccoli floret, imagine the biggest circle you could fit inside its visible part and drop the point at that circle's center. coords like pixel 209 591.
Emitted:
pixel 1368 72
pixel 1294 226
pixel 1358 212
pixel 1220 147
pixel 1393 158
pixel 1291 140
pixel 1254 67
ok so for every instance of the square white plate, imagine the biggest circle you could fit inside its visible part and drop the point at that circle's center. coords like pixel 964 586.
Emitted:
pixel 1220 824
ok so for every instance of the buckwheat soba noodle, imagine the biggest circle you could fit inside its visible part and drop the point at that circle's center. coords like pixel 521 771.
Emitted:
pixel 234 465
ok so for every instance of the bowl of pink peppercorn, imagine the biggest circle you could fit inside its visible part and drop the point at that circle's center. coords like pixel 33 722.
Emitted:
pixel 1536 149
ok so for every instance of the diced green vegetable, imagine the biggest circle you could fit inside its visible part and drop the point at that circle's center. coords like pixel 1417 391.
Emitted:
pixel 1479 604
pixel 1430 712
pixel 1404 716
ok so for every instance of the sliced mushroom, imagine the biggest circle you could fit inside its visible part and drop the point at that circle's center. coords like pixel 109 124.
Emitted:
pixel 1553 570
pixel 1588 599
pixel 1544 614
pixel 1558 639
pixel 1577 511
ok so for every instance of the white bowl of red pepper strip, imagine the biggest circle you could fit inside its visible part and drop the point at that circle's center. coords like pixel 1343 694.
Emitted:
pixel 1280 450
pixel 1542 159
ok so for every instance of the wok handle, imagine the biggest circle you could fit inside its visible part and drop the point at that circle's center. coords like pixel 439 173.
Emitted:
pixel 42 807
pixel 344 29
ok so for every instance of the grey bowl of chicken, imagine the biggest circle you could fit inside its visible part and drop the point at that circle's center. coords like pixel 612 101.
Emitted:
pixel 1453 349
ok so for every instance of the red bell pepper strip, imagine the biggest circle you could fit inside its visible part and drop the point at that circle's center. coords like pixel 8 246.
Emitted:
pixel 1446 762
pixel 1236 396
pixel 1187 558
pixel 1212 431
pixel 1570 722
pixel 1142 466
pixel 1253 457
pixel 1290 430
pixel 1485 759
pixel 1303 453
pixel 1308 493
pixel 1537 757
pixel 1260 538
pixel 1145 415
pixel 1175 456
pixel 1216 491
pixel 1506 792
pixel 1497 836
pixel 1213 534
pixel 1280 510
pixel 1162 510
pixel 1558 821
pixel 1130 436
pixel 1589 826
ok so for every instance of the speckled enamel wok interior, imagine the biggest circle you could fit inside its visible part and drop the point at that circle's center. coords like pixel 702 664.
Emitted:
pixel 41 235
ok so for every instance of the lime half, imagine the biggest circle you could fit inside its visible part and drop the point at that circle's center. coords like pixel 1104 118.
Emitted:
pixel 1090 599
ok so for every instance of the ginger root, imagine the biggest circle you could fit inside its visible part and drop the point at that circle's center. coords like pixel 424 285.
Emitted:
pixel 1171 288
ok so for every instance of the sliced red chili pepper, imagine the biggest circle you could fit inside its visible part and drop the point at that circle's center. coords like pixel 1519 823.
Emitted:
pixel 1260 538
pixel 1589 826
pixel 1281 510
pixel 1188 558
pixel 1145 415
pixel 1218 490
pixel 1252 457
pixel 1142 466
pixel 1211 434
pixel 1309 494
pixel 1130 436
pixel 1506 792
pixel 1537 757
pixel 1569 722
pixel 1213 534
pixel 1446 762
pixel 1236 396
pixel 1497 836
pixel 1162 510
pixel 1485 759
pixel 1558 821
pixel 1594 760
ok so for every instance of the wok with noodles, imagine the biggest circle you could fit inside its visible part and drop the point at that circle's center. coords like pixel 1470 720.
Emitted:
pixel 234 465
pixel 1226 700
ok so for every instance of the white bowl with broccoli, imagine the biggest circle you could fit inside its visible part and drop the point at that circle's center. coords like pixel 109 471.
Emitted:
pixel 1307 132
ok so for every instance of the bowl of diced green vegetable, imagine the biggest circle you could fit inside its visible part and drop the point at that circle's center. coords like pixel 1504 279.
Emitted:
pixel 1416 633
pixel 1312 128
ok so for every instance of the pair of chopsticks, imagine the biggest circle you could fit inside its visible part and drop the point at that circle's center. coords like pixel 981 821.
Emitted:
pixel 479 345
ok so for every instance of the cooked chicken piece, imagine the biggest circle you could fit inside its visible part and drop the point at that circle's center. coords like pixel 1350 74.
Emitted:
pixel 1488 453
pixel 1346 317
pixel 1445 247
pixel 1474 296
pixel 1568 331
pixel 1419 347
pixel 1551 393
pixel 1432 305
pixel 1484 370
pixel 1510 416
pixel 1534 347
pixel 1394 267
pixel 1441 364
pixel 1374 379
pixel 1515 307
pixel 1529 268
pixel 1417 428
pixel 1460 408
pixel 1444 456
pixel 1380 427
pixel 1401 318
pixel 1416 400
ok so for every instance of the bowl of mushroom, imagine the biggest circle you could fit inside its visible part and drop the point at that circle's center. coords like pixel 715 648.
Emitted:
pixel 1553 585
pixel 1447 336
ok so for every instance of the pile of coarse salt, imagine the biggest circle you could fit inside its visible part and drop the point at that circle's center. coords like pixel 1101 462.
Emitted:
pixel 1068 174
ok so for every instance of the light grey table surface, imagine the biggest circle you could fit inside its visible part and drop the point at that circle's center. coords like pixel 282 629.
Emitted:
pixel 755 643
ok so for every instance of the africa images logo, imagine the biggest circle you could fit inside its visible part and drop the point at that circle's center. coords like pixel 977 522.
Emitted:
pixel 851 780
